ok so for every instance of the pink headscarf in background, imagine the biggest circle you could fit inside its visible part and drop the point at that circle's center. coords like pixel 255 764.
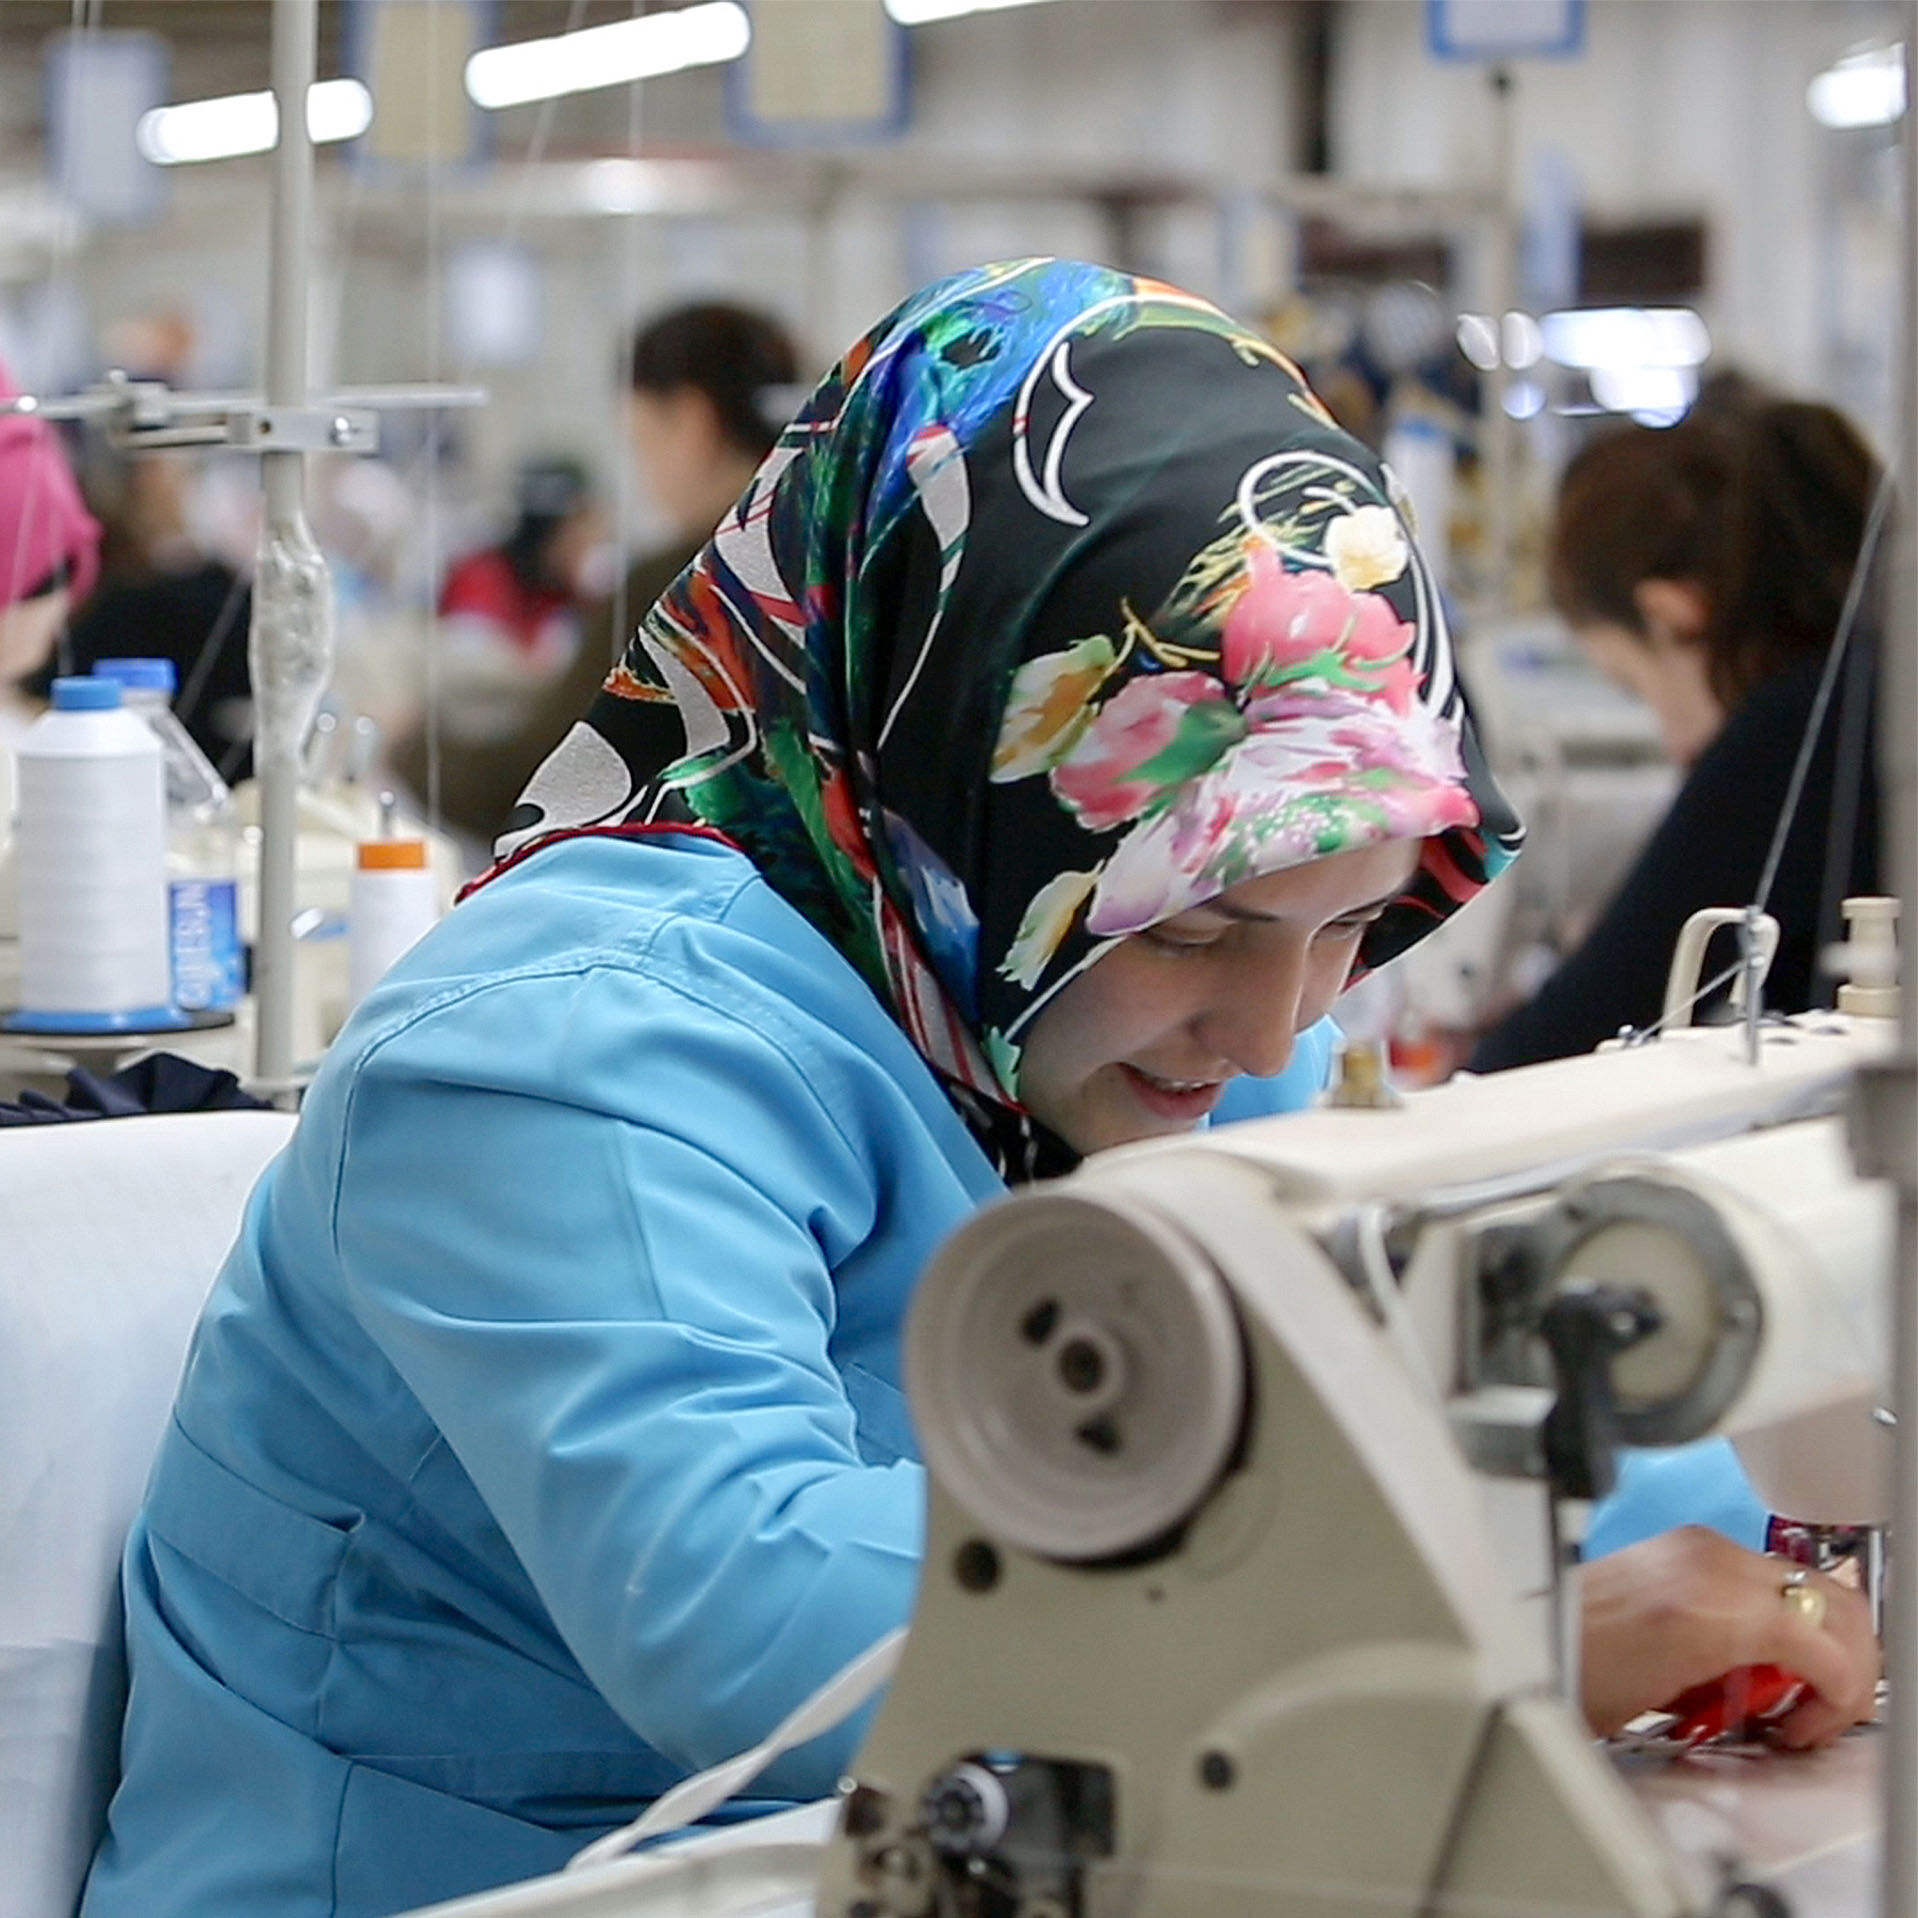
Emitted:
pixel 44 524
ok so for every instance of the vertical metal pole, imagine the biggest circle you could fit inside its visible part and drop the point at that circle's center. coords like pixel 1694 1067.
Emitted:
pixel 1898 749
pixel 1495 423
pixel 290 644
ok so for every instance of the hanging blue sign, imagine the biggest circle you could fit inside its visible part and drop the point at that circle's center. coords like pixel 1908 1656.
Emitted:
pixel 1505 29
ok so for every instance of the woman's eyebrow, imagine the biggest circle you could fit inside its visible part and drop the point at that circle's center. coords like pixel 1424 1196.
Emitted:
pixel 1228 911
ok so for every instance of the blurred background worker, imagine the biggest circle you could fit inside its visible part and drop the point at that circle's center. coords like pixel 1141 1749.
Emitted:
pixel 165 594
pixel 711 386
pixel 49 559
pixel 510 613
pixel 1705 568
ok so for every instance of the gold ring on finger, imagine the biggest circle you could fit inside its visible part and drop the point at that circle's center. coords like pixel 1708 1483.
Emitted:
pixel 1803 1597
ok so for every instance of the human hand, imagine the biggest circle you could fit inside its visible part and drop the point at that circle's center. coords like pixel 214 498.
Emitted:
pixel 1688 1606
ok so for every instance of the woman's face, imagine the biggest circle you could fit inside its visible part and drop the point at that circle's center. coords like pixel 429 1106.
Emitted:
pixel 1665 664
pixel 1144 1041
pixel 1670 679
pixel 573 549
pixel 683 456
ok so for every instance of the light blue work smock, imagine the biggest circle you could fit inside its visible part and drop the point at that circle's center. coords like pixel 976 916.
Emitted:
pixel 543 1438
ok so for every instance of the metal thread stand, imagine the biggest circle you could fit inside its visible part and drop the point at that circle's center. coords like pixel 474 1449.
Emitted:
pixel 290 645
pixel 1896 1113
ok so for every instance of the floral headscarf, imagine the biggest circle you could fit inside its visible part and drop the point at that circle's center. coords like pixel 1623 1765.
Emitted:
pixel 1061 607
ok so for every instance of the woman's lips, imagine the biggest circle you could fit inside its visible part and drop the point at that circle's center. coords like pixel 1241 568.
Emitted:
pixel 1183 1101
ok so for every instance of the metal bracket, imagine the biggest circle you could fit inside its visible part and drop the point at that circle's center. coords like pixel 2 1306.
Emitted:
pixel 303 429
pixel 148 416
pixel 1501 1429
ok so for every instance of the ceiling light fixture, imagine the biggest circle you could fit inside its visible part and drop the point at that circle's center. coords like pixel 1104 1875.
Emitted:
pixel 239 123
pixel 1615 336
pixel 1864 89
pixel 915 13
pixel 1652 395
pixel 622 186
pixel 609 56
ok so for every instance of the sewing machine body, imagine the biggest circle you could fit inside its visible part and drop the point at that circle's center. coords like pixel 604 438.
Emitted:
pixel 1332 1676
pixel 1241 1591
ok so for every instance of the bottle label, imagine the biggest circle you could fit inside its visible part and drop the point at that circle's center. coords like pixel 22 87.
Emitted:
pixel 209 964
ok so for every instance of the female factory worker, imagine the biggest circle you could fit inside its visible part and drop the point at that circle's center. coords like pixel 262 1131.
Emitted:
pixel 1705 566
pixel 1036 746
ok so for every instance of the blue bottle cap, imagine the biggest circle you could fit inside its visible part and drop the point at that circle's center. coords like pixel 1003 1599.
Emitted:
pixel 158 675
pixel 85 695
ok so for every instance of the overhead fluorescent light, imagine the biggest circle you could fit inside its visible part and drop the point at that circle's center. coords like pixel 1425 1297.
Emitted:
pixel 622 186
pixel 609 56
pixel 1627 336
pixel 915 13
pixel 1653 395
pixel 1477 339
pixel 238 123
pixel 1524 399
pixel 1522 340
pixel 1864 89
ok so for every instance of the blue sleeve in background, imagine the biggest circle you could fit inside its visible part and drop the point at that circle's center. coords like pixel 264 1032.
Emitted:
pixel 1701 1484
pixel 1303 1079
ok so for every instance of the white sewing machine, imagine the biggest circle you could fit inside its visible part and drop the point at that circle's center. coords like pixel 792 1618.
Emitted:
pixel 1253 1457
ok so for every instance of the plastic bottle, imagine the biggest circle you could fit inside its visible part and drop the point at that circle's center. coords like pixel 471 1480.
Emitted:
pixel 208 954
pixel 91 864
pixel 391 900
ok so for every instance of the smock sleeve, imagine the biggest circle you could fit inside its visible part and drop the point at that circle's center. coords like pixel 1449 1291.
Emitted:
pixel 1700 1484
pixel 612 1284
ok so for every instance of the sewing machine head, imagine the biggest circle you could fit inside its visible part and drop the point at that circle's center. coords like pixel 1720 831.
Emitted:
pixel 1250 1457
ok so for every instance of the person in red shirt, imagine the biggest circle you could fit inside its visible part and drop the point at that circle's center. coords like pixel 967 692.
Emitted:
pixel 510 613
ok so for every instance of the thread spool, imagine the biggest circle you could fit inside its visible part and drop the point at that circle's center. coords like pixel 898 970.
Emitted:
pixel 1869 957
pixel 90 855
pixel 391 900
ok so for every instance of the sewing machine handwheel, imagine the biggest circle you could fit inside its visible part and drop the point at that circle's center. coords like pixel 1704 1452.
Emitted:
pixel 1076 1374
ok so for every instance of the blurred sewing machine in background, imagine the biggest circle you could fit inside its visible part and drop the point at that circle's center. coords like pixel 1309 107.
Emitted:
pixel 1254 1461
pixel 1582 763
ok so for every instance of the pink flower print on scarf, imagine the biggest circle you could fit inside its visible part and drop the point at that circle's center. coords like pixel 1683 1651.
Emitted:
pixel 1287 626
pixel 1317 773
pixel 1154 734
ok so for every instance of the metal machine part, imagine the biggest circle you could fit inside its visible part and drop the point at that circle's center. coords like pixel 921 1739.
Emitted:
pixel 1328 1588
pixel 1078 1381
pixel 1633 1235
pixel 1549 1278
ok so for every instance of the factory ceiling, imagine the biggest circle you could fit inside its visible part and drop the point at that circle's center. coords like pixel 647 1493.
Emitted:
pixel 220 39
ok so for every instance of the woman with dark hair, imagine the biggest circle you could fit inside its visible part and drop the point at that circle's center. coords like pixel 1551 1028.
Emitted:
pixel 1705 568
pixel 711 385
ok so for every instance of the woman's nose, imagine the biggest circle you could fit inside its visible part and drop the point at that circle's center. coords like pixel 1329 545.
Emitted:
pixel 1253 1020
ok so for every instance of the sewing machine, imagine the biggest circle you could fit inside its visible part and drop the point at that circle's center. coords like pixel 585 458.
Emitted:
pixel 1254 1458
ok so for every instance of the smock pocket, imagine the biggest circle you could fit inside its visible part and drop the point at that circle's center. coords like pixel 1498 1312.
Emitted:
pixel 402 1845
pixel 286 1562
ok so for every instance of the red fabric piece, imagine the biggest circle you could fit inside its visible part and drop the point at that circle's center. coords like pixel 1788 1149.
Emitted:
pixel 1744 1704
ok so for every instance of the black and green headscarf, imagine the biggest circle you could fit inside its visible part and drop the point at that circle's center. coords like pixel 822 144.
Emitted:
pixel 1062 607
